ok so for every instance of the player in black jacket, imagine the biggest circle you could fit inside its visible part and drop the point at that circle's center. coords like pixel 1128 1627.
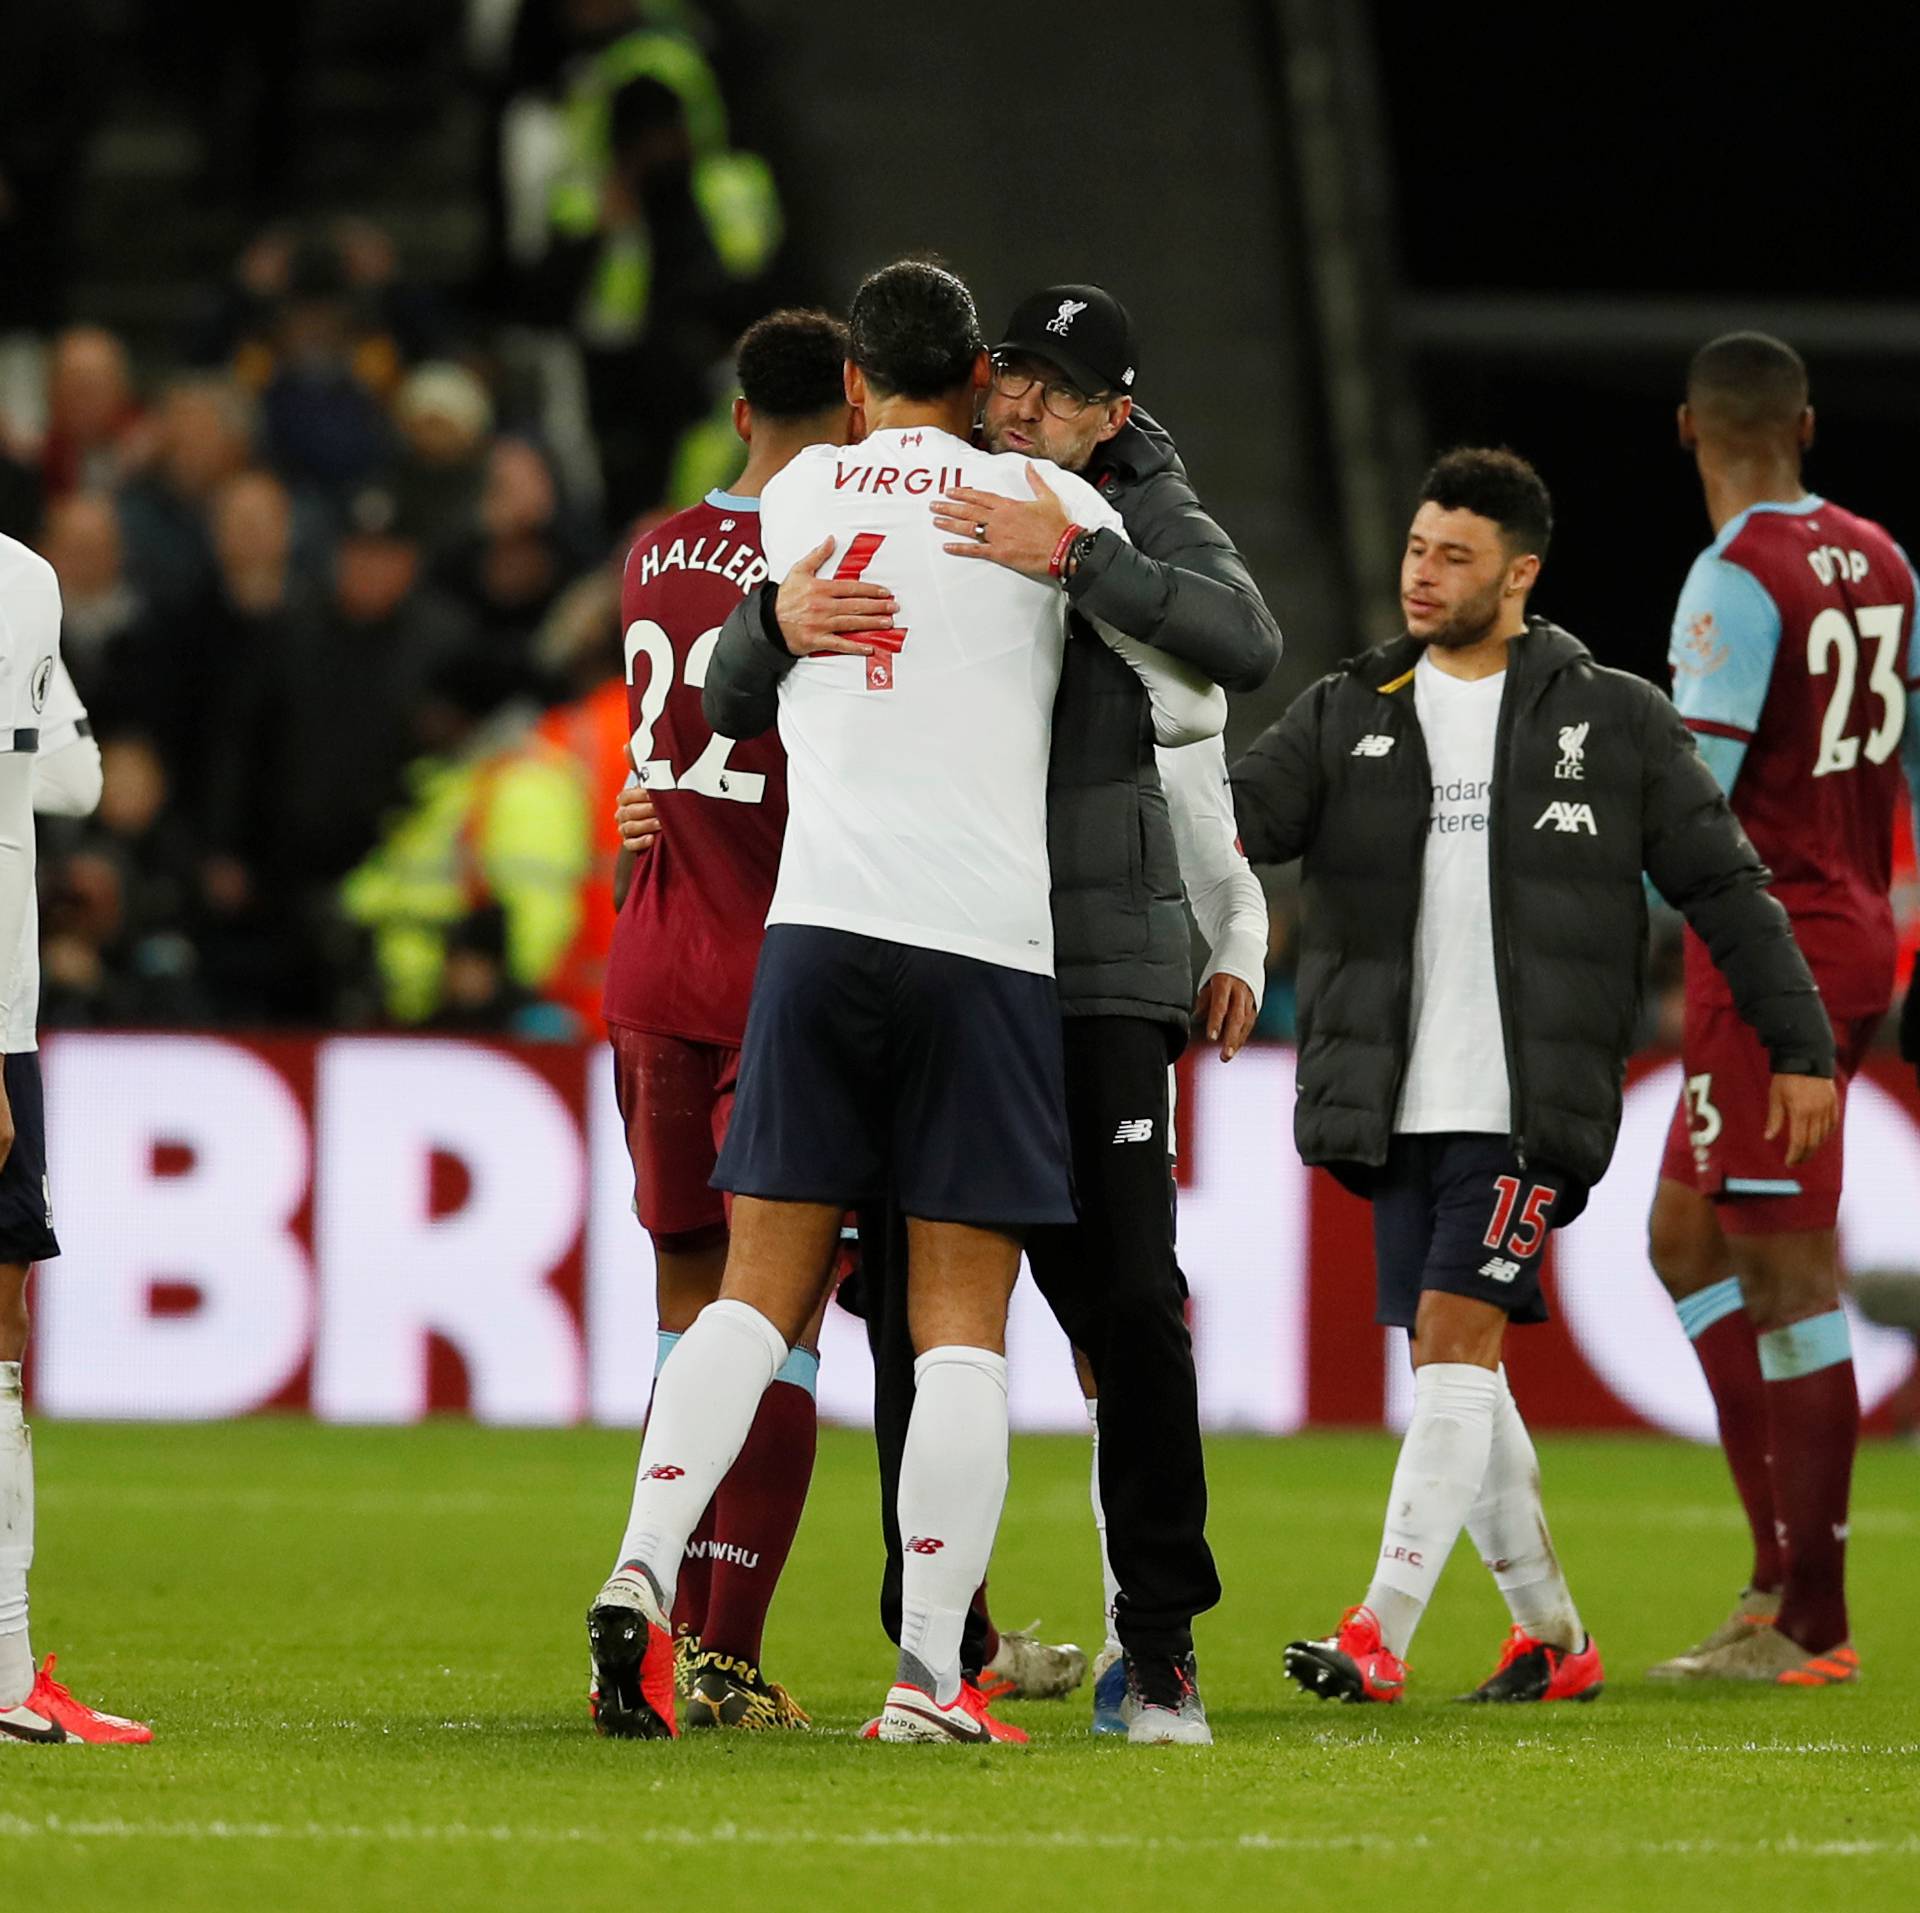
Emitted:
pixel 1475 805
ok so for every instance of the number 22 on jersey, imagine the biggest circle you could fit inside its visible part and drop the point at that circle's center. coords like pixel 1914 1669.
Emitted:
pixel 709 774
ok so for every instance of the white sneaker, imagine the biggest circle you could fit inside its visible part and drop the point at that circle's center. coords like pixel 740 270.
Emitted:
pixel 1168 1710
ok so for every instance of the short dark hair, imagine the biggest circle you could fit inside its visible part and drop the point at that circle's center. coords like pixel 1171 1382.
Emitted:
pixel 1500 485
pixel 791 364
pixel 1750 382
pixel 915 333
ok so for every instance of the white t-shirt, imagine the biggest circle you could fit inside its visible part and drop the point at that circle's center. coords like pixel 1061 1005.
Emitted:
pixel 1457 1071
pixel 29 654
pixel 918 813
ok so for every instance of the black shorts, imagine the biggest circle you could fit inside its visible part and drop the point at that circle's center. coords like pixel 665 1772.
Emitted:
pixel 26 1209
pixel 874 1068
pixel 1461 1214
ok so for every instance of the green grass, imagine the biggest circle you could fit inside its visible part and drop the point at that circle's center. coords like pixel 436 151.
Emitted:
pixel 363 1656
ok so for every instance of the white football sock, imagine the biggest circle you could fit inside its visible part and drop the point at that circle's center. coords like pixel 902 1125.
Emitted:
pixel 1509 1527
pixel 704 1401
pixel 953 1480
pixel 16 1539
pixel 1109 1586
pixel 1443 1459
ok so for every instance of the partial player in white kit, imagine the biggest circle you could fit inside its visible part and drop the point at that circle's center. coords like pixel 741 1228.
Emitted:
pixel 35 695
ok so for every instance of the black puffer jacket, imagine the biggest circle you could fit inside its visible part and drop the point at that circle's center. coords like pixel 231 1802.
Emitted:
pixel 1595 781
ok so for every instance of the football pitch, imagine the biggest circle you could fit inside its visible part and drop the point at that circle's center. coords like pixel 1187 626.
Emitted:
pixel 363 1656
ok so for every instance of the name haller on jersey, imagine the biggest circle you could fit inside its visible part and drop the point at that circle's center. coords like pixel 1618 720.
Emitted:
pixel 744 567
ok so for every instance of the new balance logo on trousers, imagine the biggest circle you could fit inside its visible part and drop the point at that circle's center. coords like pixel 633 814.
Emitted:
pixel 1135 1129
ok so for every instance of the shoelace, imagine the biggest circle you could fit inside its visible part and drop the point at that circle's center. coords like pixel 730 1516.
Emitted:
pixel 1150 1685
pixel 54 1687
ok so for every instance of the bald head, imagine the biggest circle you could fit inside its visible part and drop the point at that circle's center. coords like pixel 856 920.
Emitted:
pixel 1748 386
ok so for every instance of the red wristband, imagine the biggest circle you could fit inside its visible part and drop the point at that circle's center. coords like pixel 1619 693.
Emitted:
pixel 1060 550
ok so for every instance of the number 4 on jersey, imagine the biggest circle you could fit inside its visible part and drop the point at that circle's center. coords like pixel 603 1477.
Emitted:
pixel 859 556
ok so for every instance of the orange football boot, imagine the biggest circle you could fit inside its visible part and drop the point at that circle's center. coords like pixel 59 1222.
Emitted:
pixel 1351 1665
pixel 77 1721
pixel 1535 1670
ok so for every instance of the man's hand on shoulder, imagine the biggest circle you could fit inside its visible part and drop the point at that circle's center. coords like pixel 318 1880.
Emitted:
pixel 1807 1108
pixel 1021 534
pixel 830 615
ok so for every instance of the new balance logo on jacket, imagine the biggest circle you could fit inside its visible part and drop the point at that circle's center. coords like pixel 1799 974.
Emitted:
pixel 1564 816
pixel 1374 744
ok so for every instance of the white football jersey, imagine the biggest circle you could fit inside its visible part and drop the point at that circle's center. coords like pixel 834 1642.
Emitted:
pixel 917 783
pixel 29 654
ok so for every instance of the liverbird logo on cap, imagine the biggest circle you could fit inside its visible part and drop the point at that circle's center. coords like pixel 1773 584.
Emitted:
pixel 1070 310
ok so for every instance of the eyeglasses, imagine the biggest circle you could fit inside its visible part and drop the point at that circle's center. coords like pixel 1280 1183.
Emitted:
pixel 1012 381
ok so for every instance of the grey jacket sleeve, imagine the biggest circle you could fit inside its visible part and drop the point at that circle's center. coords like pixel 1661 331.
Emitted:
pixel 1701 861
pixel 741 697
pixel 1181 586
pixel 1276 785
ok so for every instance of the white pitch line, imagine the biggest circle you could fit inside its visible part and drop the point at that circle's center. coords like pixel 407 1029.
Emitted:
pixel 727 1834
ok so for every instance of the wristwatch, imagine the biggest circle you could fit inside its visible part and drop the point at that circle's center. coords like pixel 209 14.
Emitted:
pixel 1079 552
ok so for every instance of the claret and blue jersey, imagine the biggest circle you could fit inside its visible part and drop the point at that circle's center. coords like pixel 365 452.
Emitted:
pixel 1797 667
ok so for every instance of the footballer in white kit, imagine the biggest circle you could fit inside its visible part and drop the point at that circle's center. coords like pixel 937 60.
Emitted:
pixel 35 697
pixel 904 1035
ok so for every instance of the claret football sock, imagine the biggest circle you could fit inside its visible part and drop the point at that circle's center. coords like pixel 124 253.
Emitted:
pixel 16 1539
pixel 1443 1460
pixel 953 1480
pixel 756 1513
pixel 703 1405
pixel 1813 1415
pixel 1509 1527
pixel 1723 1338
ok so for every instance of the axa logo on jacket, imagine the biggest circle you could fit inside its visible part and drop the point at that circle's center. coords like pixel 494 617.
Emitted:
pixel 1564 817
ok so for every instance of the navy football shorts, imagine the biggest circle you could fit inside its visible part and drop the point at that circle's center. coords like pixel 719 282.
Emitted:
pixel 26 1208
pixel 873 1069
pixel 1462 1214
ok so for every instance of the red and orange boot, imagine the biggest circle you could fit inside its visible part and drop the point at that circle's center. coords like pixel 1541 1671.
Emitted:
pixel 1352 1665
pixel 1535 1670
pixel 632 1645
pixel 50 1713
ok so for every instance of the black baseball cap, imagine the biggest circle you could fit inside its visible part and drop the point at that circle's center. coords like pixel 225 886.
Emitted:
pixel 1084 330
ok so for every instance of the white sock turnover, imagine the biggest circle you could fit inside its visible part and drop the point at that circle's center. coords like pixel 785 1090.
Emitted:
pixel 1509 1527
pixel 953 1480
pixel 16 1539
pixel 1443 1459
pixel 704 1401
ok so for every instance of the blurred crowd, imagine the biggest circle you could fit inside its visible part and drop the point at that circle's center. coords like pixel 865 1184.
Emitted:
pixel 340 562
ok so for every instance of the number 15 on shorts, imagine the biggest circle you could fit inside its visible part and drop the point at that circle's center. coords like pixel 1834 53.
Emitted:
pixel 1531 1230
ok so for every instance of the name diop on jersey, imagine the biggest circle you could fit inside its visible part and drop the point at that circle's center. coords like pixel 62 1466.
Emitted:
pixel 745 567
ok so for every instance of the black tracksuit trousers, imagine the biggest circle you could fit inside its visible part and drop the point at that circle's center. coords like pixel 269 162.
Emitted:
pixel 1114 1285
